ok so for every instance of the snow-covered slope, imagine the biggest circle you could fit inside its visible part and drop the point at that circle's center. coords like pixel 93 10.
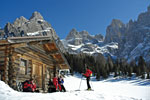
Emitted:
pixel 111 89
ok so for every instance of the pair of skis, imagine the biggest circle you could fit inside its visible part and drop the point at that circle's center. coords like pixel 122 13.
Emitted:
pixel 79 90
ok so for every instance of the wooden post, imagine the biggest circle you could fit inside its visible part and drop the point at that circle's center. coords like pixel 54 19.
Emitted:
pixel 13 69
pixel 5 66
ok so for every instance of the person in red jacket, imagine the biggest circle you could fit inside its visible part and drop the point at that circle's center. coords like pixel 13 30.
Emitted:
pixel 88 74
pixel 55 82
pixel 33 85
pixel 29 86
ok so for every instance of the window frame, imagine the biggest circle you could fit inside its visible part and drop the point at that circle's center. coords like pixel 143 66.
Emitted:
pixel 25 66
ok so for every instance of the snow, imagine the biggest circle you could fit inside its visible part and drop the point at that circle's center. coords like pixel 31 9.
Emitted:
pixel 96 48
pixel 41 20
pixel 73 39
pixel 104 49
pixel 110 89
pixel 75 47
pixel 38 32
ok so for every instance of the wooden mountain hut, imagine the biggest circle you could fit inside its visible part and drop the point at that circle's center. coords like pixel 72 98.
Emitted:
pixel 22 58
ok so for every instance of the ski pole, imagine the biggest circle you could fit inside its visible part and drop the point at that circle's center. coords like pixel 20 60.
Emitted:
pixel 80 82
pixel 92 85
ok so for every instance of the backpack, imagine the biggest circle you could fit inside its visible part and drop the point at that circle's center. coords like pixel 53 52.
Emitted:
pixel 90 72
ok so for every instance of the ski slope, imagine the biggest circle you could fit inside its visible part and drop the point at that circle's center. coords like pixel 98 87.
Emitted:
pixel 110 89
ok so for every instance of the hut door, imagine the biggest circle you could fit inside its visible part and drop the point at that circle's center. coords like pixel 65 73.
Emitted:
pixel 37 74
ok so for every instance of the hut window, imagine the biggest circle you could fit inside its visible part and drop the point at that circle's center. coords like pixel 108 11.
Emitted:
pixel 23 62
pixel 23 66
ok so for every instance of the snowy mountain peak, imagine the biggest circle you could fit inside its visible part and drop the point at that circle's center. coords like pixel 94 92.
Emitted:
pixel 116 23
pixel 99 37
pixel 83 42
pixel 36 16
pixel 22 26
pixel 84 33
pixel 73 34
pixel 20 21
pixel 114 31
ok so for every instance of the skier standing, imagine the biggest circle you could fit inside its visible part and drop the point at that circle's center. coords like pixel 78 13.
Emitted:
pixel 88 74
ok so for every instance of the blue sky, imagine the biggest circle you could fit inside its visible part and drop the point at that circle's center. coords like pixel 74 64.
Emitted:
pixel 91 15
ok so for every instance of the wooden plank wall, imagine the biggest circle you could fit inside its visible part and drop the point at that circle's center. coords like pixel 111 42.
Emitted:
pixel 33 58
pixel 4 52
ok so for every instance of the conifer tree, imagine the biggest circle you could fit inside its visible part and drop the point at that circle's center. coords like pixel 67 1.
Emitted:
pixel 97 72
pixel 110 64
pixel 148 76
pixel 130 70
pixel 115 70
pixel 142 66
pixel 133 65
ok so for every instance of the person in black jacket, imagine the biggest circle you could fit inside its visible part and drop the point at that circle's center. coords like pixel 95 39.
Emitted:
pixel 61 82
pixel 51 87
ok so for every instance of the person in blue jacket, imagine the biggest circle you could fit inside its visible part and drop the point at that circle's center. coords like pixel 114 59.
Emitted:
pixel 61 82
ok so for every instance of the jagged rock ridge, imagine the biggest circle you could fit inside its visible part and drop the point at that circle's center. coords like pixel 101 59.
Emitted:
pixel 83 42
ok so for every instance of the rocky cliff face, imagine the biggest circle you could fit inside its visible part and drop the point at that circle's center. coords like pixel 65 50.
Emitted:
pixel 131 37
pixel 35 26
pixel 1 33
pixel 77 38
pixel 115 32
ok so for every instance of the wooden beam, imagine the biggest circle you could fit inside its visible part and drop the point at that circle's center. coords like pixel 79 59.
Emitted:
pixel 3 42
pixel 28 39
pixel 52 52
pixel 63 66
pixel 39 54
pixel 50 47
pixel 2 48
pixel 2 62
pixel 2 58
pixel 2 67
pixel 36 49
pixel 5 64
pixel 19 45
pixel 62 55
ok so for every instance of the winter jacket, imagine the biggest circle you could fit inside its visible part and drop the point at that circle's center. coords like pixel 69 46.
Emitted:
pixel 88 73
pixel 33 86
pixel 29 84
pixel 26 84
pixel 55 80
pixel 60 81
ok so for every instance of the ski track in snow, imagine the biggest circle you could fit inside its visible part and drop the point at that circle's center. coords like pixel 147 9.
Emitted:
pixel 110 89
